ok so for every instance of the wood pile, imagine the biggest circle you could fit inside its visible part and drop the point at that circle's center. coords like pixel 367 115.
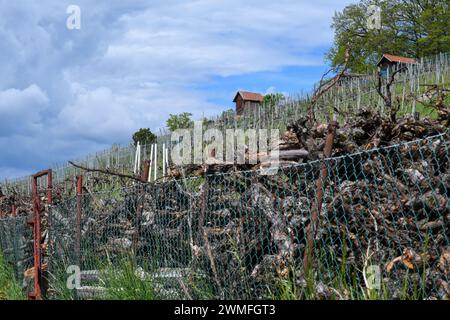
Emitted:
pixel 14 204
pixel 245 232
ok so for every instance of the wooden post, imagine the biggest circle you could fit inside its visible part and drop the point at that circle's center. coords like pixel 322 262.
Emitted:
pixel 312 228
pixel 146 171
pixel 139 206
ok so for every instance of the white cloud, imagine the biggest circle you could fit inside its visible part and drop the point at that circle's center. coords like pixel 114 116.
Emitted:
pixel 22 110
pixel 132 63
pixel 271 90
pixel 105 116
pixel 188 41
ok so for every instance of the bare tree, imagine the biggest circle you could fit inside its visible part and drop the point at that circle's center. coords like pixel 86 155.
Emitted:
pixel 387 96
pixel 325 86
pixel 434 98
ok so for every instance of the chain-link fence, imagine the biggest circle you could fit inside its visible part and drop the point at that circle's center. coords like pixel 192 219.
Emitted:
pixel 377 223
pixel 16 244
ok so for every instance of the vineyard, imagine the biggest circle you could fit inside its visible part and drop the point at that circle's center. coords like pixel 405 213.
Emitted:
pixel 362 193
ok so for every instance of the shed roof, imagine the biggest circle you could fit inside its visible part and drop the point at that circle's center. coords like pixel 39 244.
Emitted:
pixel 249 96
pixel 399 59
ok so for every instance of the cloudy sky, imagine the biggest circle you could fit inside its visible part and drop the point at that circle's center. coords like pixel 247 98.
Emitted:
pixel 65 93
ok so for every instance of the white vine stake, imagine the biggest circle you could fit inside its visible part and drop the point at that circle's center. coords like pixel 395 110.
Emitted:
pixel 151 162
pixel 156 163
pixel 137 158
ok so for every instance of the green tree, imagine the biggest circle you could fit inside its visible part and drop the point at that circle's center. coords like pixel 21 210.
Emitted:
pixel 180 121
pixel 272 99
pixel 144 137
pixel 414 28
pixel 228 113
pixel 435 23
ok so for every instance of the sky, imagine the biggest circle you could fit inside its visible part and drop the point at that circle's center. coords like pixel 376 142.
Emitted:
pixel 65 93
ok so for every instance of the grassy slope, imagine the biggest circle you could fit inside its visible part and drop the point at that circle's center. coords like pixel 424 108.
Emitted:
pixel 9 287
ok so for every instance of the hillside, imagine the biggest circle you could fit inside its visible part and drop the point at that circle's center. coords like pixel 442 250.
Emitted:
pixel 361 193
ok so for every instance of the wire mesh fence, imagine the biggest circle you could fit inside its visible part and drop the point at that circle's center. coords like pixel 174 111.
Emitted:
pixel 16 244
pixel 382 230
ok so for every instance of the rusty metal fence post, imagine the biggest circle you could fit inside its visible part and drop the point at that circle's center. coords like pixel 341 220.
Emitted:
pixel 35 222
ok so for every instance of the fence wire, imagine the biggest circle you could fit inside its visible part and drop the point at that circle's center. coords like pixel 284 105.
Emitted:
pixel 16 245
pixel 382 231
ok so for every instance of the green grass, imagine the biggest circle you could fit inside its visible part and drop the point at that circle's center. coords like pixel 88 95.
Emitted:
pixel 243 274
pixel 118 277
pixel 201 288
pixel 287 288
pixel 9 286
pixel 58 286
pixel 123 283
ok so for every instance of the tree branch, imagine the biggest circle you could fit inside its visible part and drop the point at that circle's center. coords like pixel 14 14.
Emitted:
pixel 387 98
pixel 324 87
pixel 108 172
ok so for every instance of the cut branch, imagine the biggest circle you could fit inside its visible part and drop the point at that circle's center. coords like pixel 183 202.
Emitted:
pixel 324 87
pixel 387 98
pixel 108 172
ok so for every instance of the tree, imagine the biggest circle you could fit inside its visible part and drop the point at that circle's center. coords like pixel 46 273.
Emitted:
pixel 144 137
pixel 272 99
pixel 414 28
pixel 180 121
pixel 436 25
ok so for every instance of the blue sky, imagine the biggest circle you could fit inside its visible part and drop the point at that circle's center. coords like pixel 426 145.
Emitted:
pixel 65 93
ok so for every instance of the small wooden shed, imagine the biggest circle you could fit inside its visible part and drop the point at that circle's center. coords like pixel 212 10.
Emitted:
pixel 391 62
pixel 246 101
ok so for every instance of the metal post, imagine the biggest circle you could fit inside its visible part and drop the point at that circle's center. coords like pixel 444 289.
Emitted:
pixel 36 223
pixel 36 295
